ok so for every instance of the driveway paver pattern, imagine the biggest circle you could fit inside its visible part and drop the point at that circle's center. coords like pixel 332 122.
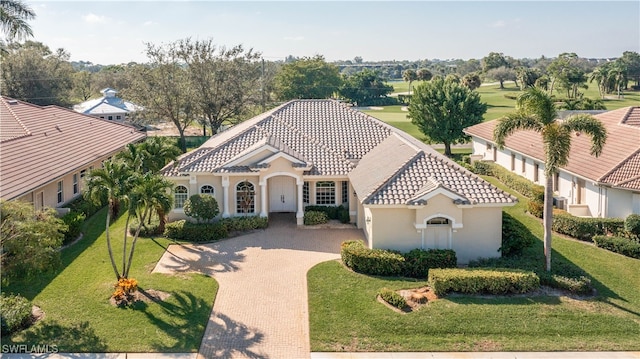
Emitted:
pixel 261 307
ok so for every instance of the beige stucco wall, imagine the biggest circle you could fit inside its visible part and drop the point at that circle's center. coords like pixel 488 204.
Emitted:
pixel 480 235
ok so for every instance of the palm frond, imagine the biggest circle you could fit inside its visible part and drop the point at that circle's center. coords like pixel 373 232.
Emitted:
pixel 514 122
pixel 585 123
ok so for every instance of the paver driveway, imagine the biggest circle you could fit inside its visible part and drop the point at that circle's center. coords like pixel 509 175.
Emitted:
pixel 261 308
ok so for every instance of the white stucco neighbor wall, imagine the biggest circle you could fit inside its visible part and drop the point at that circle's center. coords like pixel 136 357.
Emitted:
pixel 620 203
pixel 481 235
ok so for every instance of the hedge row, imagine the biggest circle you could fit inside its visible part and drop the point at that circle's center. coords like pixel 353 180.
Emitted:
pixel 482 281
pixel 534 192
pixel 583 228
pixel 333 212
pixel 315 217
pixel 184 230
pixel 393 298
pixel 415 263
pixel 577 285
pixel 624 246
pixel 516 237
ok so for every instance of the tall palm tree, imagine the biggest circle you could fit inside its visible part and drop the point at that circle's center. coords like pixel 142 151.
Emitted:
pixel 110 183
pixel 158 152
pixel 150 193
pixel 13 19
pixel 535 111
pixel 409 76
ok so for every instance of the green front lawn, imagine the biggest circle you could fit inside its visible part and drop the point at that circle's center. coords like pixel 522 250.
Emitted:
pixel 75 299
pixel 344 314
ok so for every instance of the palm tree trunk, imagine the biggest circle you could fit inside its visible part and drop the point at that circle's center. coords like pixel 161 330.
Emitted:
pixel 133 244
pixel 124 247
pixel 113 262
pixel 548 219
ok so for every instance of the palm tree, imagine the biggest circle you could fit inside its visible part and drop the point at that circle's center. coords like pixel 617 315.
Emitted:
pixel 158 152
pixel 150 193
pixel 535 111
pixel 111 184
pixel 409 76
pixel 13 19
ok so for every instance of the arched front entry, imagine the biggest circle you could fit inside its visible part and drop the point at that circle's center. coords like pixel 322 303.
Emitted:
pixel 437 234
pixel 282 194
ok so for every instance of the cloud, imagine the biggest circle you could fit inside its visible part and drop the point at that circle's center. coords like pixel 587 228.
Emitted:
pixel 95 19
pixel 499 23
pixel 294 38
pixel 148 23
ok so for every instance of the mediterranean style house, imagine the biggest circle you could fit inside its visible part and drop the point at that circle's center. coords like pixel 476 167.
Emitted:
pixel 108 107
pixel 606 186
pixel 402 193
pixel 45 151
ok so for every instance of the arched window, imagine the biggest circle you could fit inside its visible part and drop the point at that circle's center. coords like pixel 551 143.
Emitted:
pixel 326 192
pixel 180 195
pixel 206 189
pixel 437 220
pixel 245 197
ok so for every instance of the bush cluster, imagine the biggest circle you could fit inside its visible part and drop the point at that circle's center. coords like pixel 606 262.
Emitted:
pixel 371 261
pixel 393 298
pixel 632 224
pixel 584 228
pixel 480 280
pixel 148 229
pixel 202 207
pixel 333 212
pixel 624 246
pixel 82 205
pixel 239 224
pixel 534 192
pixel 315 217
pixel 15 313
pixel 577 285
pixel 516 237
pixel 195 232
pixel 184 230
pixel 415 263
pixel 74 221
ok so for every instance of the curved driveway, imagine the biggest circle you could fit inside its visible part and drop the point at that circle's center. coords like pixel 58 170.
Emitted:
pixel 261 309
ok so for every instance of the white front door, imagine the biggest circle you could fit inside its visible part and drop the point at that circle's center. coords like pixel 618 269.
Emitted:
pixel 282 194
pixel 437 236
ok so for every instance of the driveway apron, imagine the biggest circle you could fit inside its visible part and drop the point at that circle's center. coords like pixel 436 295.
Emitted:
pixel 261 307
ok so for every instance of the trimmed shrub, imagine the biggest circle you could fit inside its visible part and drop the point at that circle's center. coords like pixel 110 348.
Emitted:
pixel 393 298
pixel 584 228
pixel 315 217
pixel 202 207
pixel 419 261
pixel 147 230
pixel 239 224
pixel 371 261
pixel 15 313
pixel 195 232
pixel 333 212
pixel 624 246
pixel 578 285
pixel 480 280
pixel 74 221
pixel 632 224
pixel 82 205
pixel 516 237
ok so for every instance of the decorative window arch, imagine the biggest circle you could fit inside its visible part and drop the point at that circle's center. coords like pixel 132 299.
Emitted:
pixel 245 197
pixel 437 221
pixel 180 193
pixel 208 189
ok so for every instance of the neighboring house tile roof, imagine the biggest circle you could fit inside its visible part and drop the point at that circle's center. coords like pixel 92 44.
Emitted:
pixel 618 163
pixel 47 142
pixel 400 172
pixel 107 104
pixel 384 164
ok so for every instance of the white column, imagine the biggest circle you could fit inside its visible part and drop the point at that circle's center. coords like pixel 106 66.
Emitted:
pixel 225 197
pixel 300 213
pixel 263 198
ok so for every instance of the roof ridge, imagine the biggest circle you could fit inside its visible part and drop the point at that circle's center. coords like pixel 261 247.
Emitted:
pixel 15 116
pixel 395 175
pixel 620 164
pixel 626 115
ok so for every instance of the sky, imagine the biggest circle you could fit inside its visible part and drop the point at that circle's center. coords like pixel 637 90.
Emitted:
pixel 114 32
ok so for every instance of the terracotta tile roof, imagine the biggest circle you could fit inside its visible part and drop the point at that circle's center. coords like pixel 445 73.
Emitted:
pixel 411 170
pixel 53 142
pixel 618 159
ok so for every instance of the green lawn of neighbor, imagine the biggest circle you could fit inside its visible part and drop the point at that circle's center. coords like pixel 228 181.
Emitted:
pixel 344 314
pixel 79 317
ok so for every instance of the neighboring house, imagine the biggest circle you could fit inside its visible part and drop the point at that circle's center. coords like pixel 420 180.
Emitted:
pixel 45 151
pixel 108 107
pixel 401 192
pixel 606 186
